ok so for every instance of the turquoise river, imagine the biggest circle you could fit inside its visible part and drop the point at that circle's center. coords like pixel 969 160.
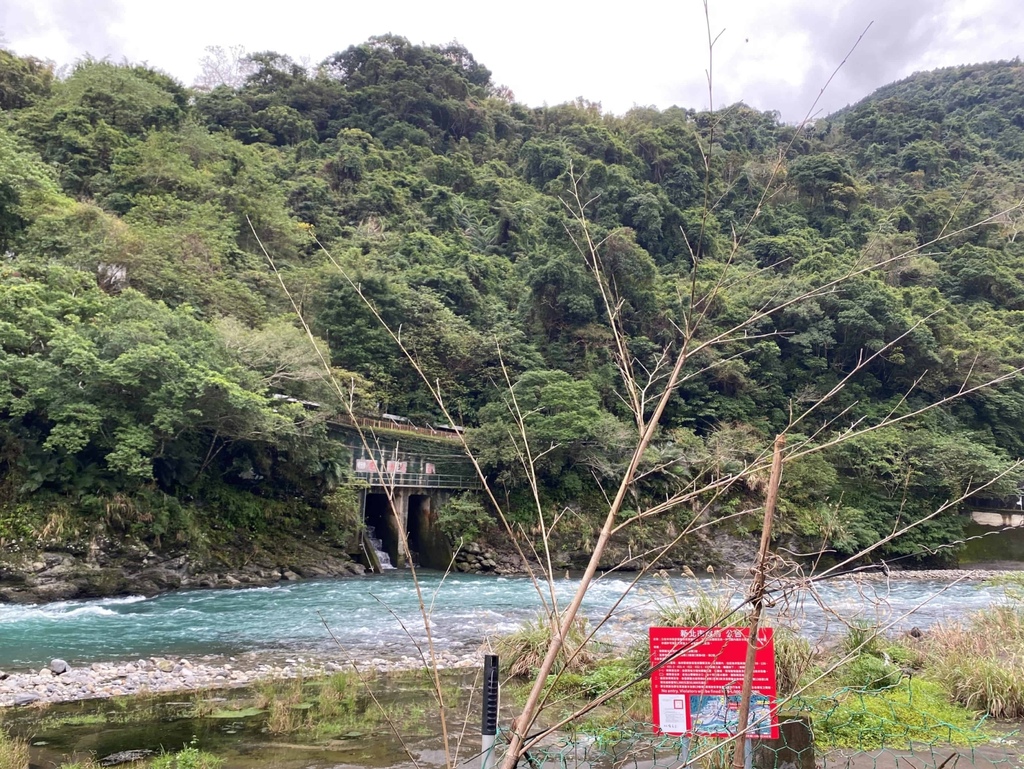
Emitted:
pixel 379 616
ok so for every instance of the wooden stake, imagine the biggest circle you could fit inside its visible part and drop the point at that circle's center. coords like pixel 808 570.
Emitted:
pixel 757 601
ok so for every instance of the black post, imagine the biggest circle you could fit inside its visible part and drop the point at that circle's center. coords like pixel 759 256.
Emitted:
pixel 489 714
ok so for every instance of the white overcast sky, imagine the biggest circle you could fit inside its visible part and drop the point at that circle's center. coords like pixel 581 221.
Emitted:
pixel 772 54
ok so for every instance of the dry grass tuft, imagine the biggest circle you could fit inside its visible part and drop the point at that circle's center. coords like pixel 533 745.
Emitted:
pixel 525 648
pixel 981 663
pixel 13 752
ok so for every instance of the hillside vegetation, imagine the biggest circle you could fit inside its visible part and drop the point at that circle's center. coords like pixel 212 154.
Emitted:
pixel 143 332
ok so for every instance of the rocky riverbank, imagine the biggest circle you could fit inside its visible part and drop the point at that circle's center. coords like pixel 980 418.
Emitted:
pixel 476 558
pixel 110 566
pixel 1011 571
pixel 156 675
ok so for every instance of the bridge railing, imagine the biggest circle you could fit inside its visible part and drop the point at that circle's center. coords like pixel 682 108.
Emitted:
pixel 421 480
pixel 383 424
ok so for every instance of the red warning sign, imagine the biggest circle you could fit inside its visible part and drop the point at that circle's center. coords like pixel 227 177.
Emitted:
pixel 698 692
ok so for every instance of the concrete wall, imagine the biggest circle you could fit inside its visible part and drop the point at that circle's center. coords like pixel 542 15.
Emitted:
pixel 413 513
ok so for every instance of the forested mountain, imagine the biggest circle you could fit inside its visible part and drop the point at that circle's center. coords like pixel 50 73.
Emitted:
pixel 143 331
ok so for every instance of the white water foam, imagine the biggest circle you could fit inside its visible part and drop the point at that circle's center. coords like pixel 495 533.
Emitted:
pixel 64 610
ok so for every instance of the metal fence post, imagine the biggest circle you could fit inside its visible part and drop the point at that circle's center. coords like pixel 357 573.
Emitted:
pixel 489 719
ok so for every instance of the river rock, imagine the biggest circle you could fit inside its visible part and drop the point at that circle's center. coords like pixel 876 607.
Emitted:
pixel 59 666
pixel 162 578
pixel 125 757
pixel 52 591
pixel 25 698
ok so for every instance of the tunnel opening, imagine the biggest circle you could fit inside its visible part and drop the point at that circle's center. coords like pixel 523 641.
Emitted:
pixel 429 545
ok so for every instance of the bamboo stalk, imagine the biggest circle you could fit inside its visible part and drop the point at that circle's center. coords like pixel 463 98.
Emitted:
pixel 757 600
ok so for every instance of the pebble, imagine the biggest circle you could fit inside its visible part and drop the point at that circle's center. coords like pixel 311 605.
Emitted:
pixel 943 575
pixel 159 675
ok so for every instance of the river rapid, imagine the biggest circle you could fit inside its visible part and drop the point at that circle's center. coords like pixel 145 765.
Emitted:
pixel 378 617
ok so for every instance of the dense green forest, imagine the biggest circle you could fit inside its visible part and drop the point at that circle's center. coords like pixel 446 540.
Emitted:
pixel 143 331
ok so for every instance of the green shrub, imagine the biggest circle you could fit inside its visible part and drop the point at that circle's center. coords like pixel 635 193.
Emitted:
pixel 187 758
pixel 342 517
pixel 17 522
pixel 902 655
pixel 607 676
pixel 566 684
pixel 463 518
pixel 869 673
pixel 913 711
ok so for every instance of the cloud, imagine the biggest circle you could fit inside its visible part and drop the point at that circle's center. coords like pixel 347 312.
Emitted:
pixel 898 35
pixel 786 53
pixel 19 20
pixel 778 56
pixel 63 30
pixel 903 37
pixel 88 27
pixel 773 55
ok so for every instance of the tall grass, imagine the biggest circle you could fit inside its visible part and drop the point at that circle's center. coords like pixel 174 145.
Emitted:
pixel 525 648
pixel 13 751
pixel 862 638
pixel 794 657
pixel 317 708
pixel 981 663
pixel 704 607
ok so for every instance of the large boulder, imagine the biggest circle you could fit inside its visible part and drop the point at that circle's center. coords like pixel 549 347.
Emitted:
pixel 162 578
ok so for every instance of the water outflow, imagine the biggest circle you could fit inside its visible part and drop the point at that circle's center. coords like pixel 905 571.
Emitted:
pixel 378 547
pixel 364 614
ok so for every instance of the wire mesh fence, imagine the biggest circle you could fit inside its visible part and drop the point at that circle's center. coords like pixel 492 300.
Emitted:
pixel 901 726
